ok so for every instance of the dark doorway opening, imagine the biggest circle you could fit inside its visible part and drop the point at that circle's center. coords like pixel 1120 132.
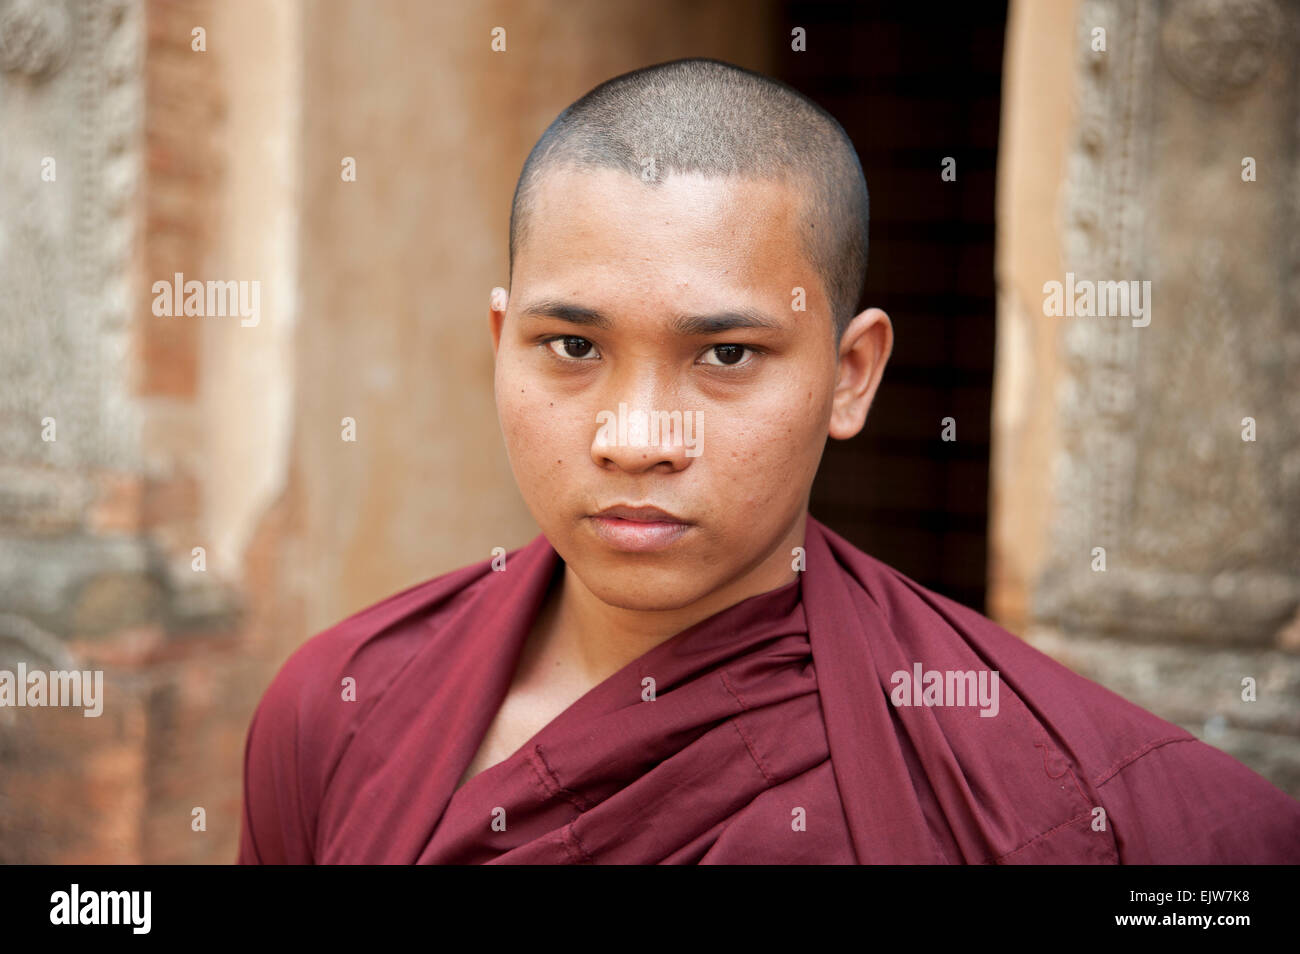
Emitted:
pixel 911 93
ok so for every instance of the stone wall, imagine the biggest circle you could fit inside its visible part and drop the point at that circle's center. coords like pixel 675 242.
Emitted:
pixel 1147 471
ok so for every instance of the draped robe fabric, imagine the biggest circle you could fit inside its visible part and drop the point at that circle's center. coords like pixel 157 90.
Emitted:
pixel 765 734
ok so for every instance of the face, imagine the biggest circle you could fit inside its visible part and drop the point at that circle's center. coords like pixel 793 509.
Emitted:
pixel 654 351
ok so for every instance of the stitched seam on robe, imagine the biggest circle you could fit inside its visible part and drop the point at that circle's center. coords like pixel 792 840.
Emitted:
pixel 1047 834
pixel 574 846
pixel 749 747
pixel 1133 756
pixel 726 684
pixel 1051 752
pixel 549 782
pixel 749 744
pixel 1048 752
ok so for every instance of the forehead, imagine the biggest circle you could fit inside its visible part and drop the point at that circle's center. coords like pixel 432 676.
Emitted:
pixel 606 226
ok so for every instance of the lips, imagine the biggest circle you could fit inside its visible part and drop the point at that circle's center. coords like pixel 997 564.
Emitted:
pixel 638 529
pixel 640 514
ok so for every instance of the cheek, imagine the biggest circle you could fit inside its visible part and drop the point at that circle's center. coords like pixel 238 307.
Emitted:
pixel 517 415
pixel 526 432
pixel 758 455
pixel 771 449
pixel 538 437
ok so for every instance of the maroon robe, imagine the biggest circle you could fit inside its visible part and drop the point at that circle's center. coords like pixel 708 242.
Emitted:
pixel 771 736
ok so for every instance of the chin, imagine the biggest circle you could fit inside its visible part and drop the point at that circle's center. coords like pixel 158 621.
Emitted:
pixel 637 585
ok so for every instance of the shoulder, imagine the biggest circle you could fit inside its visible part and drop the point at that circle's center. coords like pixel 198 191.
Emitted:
pixel 1096 727
pixel 1186 802
pixel 1169 798
pixel 311 707
pixel 372 644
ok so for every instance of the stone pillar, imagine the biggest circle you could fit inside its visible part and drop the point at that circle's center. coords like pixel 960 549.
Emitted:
pixel 1147 468
pixel 73 569
pixel 108 180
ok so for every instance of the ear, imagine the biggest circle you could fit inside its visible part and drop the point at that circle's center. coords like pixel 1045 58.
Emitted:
pixel 864 351
pixel 497 302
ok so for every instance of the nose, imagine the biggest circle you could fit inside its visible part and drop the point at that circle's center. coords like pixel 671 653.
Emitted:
pixel 643 432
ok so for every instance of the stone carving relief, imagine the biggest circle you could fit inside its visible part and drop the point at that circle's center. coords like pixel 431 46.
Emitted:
pixel 1219 47
pixel 71 107
pixel 34 36
pixel 1197 525
pixel 71 104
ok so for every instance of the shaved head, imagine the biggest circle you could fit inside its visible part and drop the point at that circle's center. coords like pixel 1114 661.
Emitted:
pixel 708 117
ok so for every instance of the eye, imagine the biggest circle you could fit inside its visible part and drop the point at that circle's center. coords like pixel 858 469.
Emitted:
pixel 730 355
pixel 571 347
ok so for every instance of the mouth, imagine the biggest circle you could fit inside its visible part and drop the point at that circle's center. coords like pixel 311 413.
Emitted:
pixel 638 529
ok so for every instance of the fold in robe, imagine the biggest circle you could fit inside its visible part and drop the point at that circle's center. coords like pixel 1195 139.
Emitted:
pixel 770 737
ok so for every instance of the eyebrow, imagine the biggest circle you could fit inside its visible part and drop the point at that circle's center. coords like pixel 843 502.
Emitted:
pixel 709 324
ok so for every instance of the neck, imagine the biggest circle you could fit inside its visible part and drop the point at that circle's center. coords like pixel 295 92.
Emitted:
pixel 598 639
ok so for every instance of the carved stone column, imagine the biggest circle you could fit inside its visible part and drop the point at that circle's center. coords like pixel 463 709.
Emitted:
pixel 1170 561
pixel 88 526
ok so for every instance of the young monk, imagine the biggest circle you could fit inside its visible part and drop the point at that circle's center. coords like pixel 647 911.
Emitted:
pixel 685 666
